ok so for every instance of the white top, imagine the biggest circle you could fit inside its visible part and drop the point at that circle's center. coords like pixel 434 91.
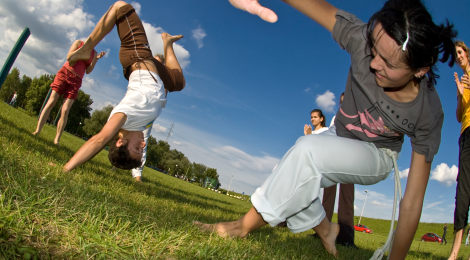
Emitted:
pixel 321 130
pixel 143 102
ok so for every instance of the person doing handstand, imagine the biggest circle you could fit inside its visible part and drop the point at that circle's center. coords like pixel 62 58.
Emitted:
pixel 145 96
pixel 67 82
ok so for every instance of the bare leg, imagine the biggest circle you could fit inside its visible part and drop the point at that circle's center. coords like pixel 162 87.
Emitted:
pixel 53 98
pixel 454 253
pixel 63 119
pixel 239 228
pixel 103 27
pixel 170 57
pixel 328 232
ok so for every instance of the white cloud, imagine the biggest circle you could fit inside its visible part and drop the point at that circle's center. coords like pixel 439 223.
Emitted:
pixel 241 160
pixel 107 103
pixel 54 26
pixel 378 203
pixel 442 173
pixel 156 44
pixel 326 101
pixel 108 50
pixel 177 143
pixel 307 90
pixel 158 128
pixel 198 35
pixel 432 205
pixel 404 173
pixel 137 7
pixel 355 207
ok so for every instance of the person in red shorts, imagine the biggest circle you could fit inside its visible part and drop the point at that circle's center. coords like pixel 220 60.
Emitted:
pixel 67 82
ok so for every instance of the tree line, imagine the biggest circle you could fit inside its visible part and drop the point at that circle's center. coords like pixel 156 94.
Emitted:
pixel 30 97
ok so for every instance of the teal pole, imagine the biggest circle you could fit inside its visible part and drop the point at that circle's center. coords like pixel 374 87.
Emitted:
pixel 45 102
pixel 58 114
pixel 13 54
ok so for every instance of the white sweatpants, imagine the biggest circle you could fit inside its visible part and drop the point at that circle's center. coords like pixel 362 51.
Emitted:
pixel 292 191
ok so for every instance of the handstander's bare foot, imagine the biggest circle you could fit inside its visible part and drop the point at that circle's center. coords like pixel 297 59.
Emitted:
pixel 223 229
pixel 328 233
pixel 35 133
pixel 168 39
pixel 83 53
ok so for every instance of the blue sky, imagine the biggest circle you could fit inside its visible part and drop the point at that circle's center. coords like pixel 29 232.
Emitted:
pixel 250 84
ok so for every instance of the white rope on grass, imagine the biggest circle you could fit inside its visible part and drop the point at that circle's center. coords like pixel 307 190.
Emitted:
pixel 379 253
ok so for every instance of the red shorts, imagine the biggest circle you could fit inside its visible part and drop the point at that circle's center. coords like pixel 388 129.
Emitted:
pixel 67 83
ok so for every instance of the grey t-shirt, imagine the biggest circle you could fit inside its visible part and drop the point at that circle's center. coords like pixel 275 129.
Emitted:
pixel 368 114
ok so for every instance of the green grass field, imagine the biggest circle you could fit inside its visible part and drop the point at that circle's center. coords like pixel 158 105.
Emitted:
pixel 96 213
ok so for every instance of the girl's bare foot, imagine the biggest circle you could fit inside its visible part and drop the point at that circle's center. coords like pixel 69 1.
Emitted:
pixel 223 229
pixel 80 54
pixel 329 240
pixel 35 133
pixel 170 38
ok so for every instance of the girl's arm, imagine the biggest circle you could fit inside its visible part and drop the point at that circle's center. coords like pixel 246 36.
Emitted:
pixel 90 68
pixel 460 98
pixel 411 206
pixel 97 142
pixel 320 11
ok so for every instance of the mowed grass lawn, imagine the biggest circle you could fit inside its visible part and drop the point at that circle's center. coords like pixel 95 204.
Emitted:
pixel 96 213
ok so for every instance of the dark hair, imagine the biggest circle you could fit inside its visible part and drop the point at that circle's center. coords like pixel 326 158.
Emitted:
pixel 426 39
pixel 320 113
pixel 120 157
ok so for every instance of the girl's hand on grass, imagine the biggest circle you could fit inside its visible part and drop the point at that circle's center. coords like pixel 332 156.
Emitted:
pixel 52 164
pixel 253 7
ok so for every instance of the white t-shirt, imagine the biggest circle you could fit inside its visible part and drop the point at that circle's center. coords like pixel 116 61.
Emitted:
pixel 323 129
pixel 143 102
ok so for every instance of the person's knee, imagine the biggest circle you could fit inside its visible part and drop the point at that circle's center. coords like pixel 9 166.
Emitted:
pixel 119 4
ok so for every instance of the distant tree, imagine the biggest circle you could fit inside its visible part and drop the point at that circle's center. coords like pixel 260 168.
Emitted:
pixel 79 112
pixel 36 94
pixel 12 83
pixel 199 172
pixel 93 125
pixel 21 100
pixel 212 173
pixel 156 151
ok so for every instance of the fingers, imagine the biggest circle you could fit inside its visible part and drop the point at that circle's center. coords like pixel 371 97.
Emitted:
pixel 253 7
pixel 264 13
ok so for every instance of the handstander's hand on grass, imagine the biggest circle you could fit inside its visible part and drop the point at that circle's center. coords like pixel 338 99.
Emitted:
pixel 253 7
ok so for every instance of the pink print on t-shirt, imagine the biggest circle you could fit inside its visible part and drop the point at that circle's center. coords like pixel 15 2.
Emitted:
pixel 377 127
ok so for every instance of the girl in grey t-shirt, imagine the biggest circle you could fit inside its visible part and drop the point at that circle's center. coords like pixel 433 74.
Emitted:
pixel 390 92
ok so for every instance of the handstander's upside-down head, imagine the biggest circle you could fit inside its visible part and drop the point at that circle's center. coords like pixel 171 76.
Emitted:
pixel 126 149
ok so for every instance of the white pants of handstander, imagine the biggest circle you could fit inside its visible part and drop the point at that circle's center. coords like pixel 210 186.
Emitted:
pixel 291 193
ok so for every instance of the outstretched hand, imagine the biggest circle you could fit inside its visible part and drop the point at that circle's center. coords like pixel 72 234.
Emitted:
pixel 253 7
pixel 101 55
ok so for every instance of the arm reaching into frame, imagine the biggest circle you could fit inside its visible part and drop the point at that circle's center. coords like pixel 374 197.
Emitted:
pixel 253 7
pixel 97 142
pixel 320 11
